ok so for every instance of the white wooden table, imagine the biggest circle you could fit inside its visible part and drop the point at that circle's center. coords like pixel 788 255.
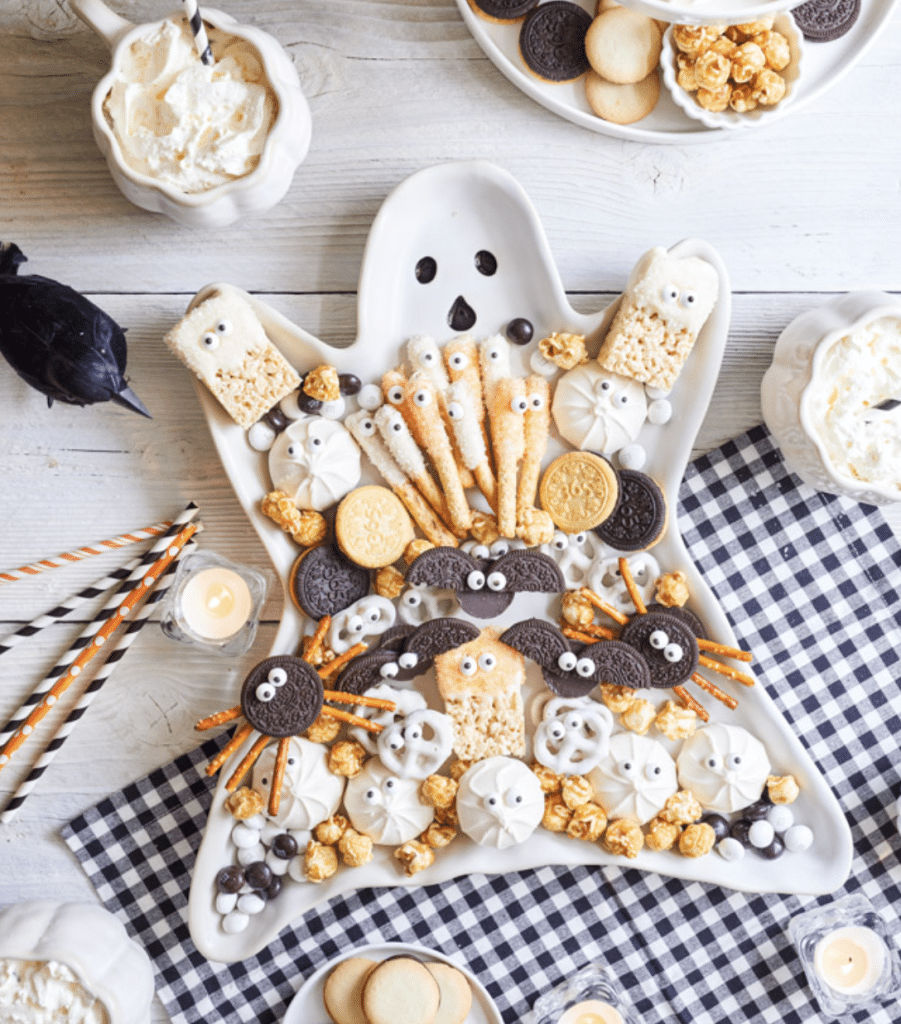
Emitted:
pixel 801 210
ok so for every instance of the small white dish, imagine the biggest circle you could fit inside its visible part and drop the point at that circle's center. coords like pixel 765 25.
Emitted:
pixel 785 398
pixel 732 119
pixel 286 145
pixel 307 1006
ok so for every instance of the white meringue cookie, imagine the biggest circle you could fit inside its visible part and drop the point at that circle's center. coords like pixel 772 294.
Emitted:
pixel 500 802
pixel 724 766
pixel 597 410
pixel 315 461
pixel 310 792
pixel 384 807
pixel 635 779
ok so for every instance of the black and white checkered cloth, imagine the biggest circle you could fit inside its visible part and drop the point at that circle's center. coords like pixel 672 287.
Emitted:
pixel 810 583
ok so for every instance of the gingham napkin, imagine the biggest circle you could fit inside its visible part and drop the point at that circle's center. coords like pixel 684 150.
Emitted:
pixel 809 583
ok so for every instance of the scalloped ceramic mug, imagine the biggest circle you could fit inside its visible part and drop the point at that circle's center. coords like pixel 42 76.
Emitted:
pixel 94 945
pixel 816 371
pixel 286 144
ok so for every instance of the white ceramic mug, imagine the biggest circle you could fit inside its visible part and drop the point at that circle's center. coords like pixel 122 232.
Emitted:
pixel 285 148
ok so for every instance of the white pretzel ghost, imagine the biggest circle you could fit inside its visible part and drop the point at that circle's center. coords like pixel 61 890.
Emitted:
pixel 370 616
pixel 417 746
pixel 605 579
pixel 405 703
pixel 577 555
pixel 419 605
pixel 572 741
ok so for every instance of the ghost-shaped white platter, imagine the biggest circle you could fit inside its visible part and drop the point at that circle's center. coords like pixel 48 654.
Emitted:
pixel 450 213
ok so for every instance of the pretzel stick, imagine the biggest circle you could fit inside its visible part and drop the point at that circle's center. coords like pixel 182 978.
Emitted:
pixel 360 701
pixel 505 417
pixel 316 639
pixel 278 776
pixel 626 574
pixel 494 363
pixel 138 585
pixel 603 632
pixel 342 659
pixel 687 701
pixel 220 718
pixel 727 671
pixel 715 691
pixel 595 599
pixel 462 360
pixel 247 762
pixel 470 438
pixel 536 424
pixel 226 752
pixel 346 716
pixel 725 650
pixel 574 634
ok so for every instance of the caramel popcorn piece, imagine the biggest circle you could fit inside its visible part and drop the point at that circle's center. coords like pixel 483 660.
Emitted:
pixel 550 781
pixel 747 60
pixel 322 384
pixel 415 548
pixel 244 803
pixel 346 758
pixel 752 28
pixel 681 809
pixel 575 791
pixel 556 814
pixel 662 835
pixel 535 527
pixel 735 34
pixel 769 87
pixel 676 722
pixel 329 832
pixel 724 45
pixel 685 73
pixel 638 716
pixel 564 349
pixel 305 528
pixel 577 610
pixel 715 100
pixel 775 48
pixel 438 791
pixel 623 838
pixel 355 848
pixel 783 789
pixel 319 862
pixel 458 769
pixel 389 582
pixel 484 528
pixel 694 39
pixel 617 698
pixel 742 100
pixel 415 856
pixel 447 816
pixel 587 823
pixel 712 70
pixel 438 836
pixel 697 840
pixel 324 729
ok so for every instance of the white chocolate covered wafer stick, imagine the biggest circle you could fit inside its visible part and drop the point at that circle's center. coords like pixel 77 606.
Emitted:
pixel 419 408
pixel 364 431
pixel 461 356
pixel 464 419
pixel 425 355
pixel 494 362
pixel 506 414
pixel 536 423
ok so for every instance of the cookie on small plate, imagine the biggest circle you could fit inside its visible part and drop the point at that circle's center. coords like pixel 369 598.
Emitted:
pixel 623 46
pixel 622 104
pixel 401 991
pixel 456 994
pixel 343 990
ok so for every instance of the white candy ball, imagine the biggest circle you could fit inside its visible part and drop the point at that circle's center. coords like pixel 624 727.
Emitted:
pixel 244 837
pixel 289 406
pixel 538 364
pixel 369 397
pixel 798 838
pixel 633 456
pixel 270 831
pixel 781 818
pixel 760 834
pixel 226 902
pixel 333 410
pixel 730 849
pixel 258 821
pixel 278 865
pixel 251 854
pixel 251 904
pixel 295 869
pixel 660 411
pixel 235 922
pixel 655 393
pixel 301 837
pixel 260 436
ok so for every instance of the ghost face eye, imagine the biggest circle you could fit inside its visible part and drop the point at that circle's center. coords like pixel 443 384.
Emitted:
pixel 514 798
pixel 372 796
pixel 519 405
pixel 396 394
pixel 560 542
pixel 426 269
pixel 536 402
pixel 367 428
pixel 414 733
pixel 713 762
pixel 389 786
pixel 487 662
pixel 475 580
pixel 455 411
pixel 468 666
pixel 422 398
pixel 277 676
pixel 458 361
pixel 688 299
pixel 585 667
pixel 293 451
pixel 557 731
pixel 372 615
pixel 734 762
pixel 412 599
pixel 355 624
pixel 658 639
pixel 574 722
pixel 567 661
pixel 492 801
pixel 426 359
pixel 670 293
pixel 396 742
pixel 265 693
pixel 314 444
pixel 579 539
pixel 627 769
pixel 210 341
pixel 224 327
pixel 673 653
pixel 652 772
pixel 621 400
pixel 603 387
pixel 486 263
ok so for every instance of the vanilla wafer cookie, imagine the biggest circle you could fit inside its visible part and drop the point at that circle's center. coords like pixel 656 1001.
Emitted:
pixel 506 415
pixel 462 410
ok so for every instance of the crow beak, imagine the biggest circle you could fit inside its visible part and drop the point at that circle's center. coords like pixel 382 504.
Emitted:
pixel 129 400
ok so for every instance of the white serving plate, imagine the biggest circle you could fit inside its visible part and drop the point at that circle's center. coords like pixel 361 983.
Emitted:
pixel 824 65
pixel 450 212
pixel 307 1007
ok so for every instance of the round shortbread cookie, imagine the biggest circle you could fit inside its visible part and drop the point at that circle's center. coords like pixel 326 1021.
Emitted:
pixel 456 995
pixel 622 104
pixel 401 991
pixel 623 46
pixel 579 490
pixel 343 991
pixel 372 527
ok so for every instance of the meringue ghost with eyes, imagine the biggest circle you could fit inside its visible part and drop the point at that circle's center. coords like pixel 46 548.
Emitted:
pixel 315 461
pixel 635 779
pixel 724 766
pixel 500 802
pixel 310 792
pixel 385 807
pixel 572 741
pixel 597 410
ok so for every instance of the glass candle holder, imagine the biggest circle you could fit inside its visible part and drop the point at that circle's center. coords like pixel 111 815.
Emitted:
pixel 214 604
pixel 847 954
pixel 591 996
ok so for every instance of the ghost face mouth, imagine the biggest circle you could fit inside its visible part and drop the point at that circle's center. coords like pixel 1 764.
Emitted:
pixel 460 316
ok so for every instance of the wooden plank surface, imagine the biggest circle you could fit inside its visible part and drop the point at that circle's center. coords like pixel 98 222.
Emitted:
pixel 800 211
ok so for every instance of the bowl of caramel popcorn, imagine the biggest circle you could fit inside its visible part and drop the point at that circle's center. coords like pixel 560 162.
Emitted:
pixel 733 76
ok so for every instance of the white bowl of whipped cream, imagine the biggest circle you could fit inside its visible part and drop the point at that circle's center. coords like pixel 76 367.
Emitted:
pixel 71 962
pixel 202 144
pixel 832 397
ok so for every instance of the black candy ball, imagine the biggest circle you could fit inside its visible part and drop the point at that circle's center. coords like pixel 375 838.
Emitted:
pixel 258 875
pixel 758 811
pixel 349 384
pixel 230 879
pixel 284 846
pixel 520 331
pixel 309 405
pixel 274 888
pixel 774 850
pixel 718 823
pixel 276 419
pixel 740 831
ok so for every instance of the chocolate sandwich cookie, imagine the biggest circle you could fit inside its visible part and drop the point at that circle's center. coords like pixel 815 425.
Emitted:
pixel 324 582
pixel 667 645
pixel 365 671
pixel 526 572
pixel 552 41
pixel 821 21
pixel 502 11
pixel 282 696
pixel 686 615
pixel 639 517
pixel 440 635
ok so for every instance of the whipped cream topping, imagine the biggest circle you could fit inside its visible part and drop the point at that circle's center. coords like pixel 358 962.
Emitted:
pixel 310 792
pixel 724 766
pixel 46 992
pixel 499 802
pixel 187 124
pixel 635 779
pixel 856 373
pixel 315 461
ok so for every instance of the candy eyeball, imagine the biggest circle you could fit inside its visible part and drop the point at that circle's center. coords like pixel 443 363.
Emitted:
pixel 514 798
pixel 396 425
pixel 626 769
pixel 389 670
pixel 492 801
pixel 396 394
pixel 372 614
pixel 689 299
pixel 734 762
pixel 414 733
pixel 652 772
pixel 367 428
pixel 560 542
pixel 224 327
pixel 579 539
pixel 408 660
pixel 567 661
pixel 714 762
pixel 455 411
pixel 536 402
pixel 475 580
pixel 673 653
pixel 210 341
pixel 396 742
pixel 426 359
pixel 497 582
pixel 389 786
pixel 494 354
pixel 574 721
pixel 355 624
pixel 519 405
pixel 468 666
pixel 556 731
pixel 586 668
pixel 487 662
pixel 277 676
pixel 658 639
pixel 499 548
pixel 411 598
pixel 603 387
pixel 621 400
pixel 670 293
pixel 422 398
pixel 481 551
pixel 373 796
pixel 265 693
pixel 458 361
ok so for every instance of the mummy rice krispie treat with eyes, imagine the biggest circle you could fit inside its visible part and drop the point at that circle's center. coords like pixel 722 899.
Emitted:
pixel 223 343
pixel 500 802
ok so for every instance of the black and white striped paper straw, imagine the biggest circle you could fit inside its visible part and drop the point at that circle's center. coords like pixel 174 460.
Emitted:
pixel 118 652
pixel 198 29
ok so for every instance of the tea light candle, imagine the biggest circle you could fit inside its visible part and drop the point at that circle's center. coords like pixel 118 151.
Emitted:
pixel 850 960
pixel 592 1011
pixel 216 603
